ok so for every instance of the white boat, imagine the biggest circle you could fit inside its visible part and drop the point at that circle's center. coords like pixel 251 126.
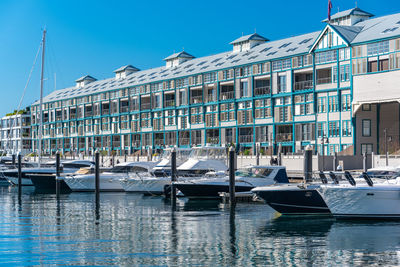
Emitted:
pixel 363 200
pixel 163 168
pixel 200 161
pixel 245 179
pixel 109 180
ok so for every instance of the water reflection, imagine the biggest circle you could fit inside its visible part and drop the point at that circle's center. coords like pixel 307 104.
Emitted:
pixel 129 229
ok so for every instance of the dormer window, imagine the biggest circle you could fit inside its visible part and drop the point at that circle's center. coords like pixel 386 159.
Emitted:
pixel 81 82
pixel 177 58
pixel 349 17
pixel 124 71
pixel 247 42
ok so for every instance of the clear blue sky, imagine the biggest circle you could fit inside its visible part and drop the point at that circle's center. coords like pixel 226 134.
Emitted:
pixel 97 37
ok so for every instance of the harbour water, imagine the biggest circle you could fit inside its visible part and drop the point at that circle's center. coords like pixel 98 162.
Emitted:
pixel 131 229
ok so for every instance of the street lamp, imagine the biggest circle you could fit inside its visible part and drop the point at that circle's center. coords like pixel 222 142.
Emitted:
pixel 324 140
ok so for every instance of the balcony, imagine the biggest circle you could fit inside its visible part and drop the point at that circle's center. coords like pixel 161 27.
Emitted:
pixel 184 141
pixel 324 80
pixel 105 112
pixel 211 98
pixel 284 137
pixel 265 90
pixel 196 99
pixel 213 140
pixel 303 85
pixel 145 106
pixel 169 103
pixel 227 95
pixel 196 140
pixel 159 142
pixel 124 109
pixel 245 138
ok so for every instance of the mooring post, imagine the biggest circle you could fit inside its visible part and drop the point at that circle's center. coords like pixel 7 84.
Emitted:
pixel 97 177
pixel 364 162
pixel 257 154
pixel 307 168
pixel 19 176
pixel 13 160
pixel 173 174
pixel 232 199
pixel 280 155
pixel 334 161
pixel 372 160
pixel 57 174
pixel 125 152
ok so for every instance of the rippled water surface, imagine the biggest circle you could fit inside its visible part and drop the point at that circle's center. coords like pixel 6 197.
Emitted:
pixel 131 229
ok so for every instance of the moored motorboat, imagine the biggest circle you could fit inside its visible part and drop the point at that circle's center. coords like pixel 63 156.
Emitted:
pixel 363 200
pixel 109 180
pixel 246 179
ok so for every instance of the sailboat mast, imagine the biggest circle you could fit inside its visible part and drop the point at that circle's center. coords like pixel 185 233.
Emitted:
pixel 41 98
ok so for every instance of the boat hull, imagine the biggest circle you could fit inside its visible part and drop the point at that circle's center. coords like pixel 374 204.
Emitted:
pixel 47 184
pixel 87 183
pixel 294 200
pixel 363 202
pixel 146 186
pixel 208 190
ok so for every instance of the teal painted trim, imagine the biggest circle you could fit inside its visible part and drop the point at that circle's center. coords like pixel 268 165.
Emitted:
pixel 378 112
pixel 377 40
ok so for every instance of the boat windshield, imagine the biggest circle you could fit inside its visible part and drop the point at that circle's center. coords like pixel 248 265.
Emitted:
pixel 254 172
pixel 208 153
pixel 383 174
pixel 180 153
pixel 126 169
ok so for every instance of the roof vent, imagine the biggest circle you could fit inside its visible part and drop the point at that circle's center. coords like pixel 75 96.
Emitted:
pixel 82 81
pixel 247 42
pixel 177 58
pixel 125 71
pixel 349 17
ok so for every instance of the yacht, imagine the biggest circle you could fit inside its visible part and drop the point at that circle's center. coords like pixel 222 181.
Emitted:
pixel 11 174
pixel 245 180
pixel 45 180
pixel 200 160
pixel 363 200
pixel 163 168
pixel 203 160
pixel 109 180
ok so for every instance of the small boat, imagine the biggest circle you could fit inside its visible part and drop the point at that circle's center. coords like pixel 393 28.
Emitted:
pixel 363 200
pixel 45 180
pixel 12 174
pixel 110 179
pixel 245 180
pixel 200 161
pixel 163 168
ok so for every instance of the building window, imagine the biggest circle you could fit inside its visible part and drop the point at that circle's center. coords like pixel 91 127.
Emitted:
pixel 324 57
pixel 344 73
pixel 282 84
pixel 244 89
pixel 366 148
pixel 378 48
pixel 366 127
pixel 321 104
pixel 366 107
pixel 346 102
pixel 346 128
pixel 333 104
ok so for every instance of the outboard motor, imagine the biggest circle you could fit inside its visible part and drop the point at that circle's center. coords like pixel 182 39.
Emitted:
pixel 334 178
pixel 367 179
pixel 349 178
pixel 323 178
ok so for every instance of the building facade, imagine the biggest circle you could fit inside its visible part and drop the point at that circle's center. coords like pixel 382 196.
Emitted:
pixel 309 89
pixel 15 134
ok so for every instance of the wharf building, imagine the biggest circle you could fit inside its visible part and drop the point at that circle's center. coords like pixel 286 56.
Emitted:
pixel 336 89
pixel 15 133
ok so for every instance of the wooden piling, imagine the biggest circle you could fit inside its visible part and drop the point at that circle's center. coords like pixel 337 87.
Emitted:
pixel 232 199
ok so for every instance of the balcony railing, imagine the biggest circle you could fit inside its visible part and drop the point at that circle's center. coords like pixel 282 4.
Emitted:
pixel 159 142
pixel 169 103
pixel 303 85
pixel 262 139
pixel 324 80
pixel 196 99
pixel 105 112
pixel 229 139
pixel 88 114
pixel 196 140
pixel 245 138
pixel 284 137
pixel 211 98
pixel 124 109
pixel 184 141
pixel 227 95
pixel 145 106
pixel 265 90
pixel 213 140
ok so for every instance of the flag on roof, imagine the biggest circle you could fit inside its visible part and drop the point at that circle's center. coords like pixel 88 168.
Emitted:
pixel 329 10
